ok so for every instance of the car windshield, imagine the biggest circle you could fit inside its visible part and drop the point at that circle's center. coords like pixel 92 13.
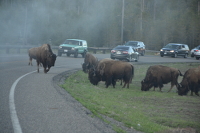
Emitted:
pixel 173 46
pixel 133 44
pixel 121 48
pixel 73 42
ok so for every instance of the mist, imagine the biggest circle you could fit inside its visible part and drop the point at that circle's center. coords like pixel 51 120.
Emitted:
pixel 155 22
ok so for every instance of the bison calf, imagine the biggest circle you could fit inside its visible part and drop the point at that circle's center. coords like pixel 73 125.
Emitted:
pixel 158 75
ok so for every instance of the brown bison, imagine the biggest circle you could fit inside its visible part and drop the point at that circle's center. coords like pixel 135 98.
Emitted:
pixel 43 55
pixel 110 71
pixel 89 62
pixel 158 75
pixel 190 82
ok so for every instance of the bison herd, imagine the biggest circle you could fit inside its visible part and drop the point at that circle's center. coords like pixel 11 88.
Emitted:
pixel 111 71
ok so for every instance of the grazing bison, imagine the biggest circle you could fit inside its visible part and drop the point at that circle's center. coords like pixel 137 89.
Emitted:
pixel 158 75
pixel 89 62
pixel 43 55
pixel 190 82
pixel 110 71
pixel 94 74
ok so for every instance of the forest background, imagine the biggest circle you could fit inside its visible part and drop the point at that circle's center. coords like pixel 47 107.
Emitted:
pixel 103 23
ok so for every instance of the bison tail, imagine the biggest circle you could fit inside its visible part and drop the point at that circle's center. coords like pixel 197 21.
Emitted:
pixel 132 73
pixel 180 73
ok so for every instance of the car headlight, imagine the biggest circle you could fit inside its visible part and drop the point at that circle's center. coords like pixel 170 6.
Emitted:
pixel 60 46
pixel 73 48
pixel 172 51
pixel 161 50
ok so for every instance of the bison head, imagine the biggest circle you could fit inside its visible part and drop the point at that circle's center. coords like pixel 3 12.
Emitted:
pixel 87 66
pixel 51 60
pixel 84 66
pixel 145 85
pixel 182 89
pixel 93 76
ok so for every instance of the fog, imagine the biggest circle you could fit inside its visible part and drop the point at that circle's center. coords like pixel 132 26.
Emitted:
pixel 155 22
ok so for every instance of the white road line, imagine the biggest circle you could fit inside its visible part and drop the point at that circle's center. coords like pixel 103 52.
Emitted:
pixel 13 113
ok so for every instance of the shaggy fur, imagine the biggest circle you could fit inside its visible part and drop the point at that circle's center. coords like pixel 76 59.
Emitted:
pixel 190 82
pixel 158 75
pixel 44 55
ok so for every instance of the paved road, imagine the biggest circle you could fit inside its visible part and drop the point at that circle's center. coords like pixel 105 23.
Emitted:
pixel 31 102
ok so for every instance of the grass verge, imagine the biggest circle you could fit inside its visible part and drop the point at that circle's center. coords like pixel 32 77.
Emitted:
pixel 151 111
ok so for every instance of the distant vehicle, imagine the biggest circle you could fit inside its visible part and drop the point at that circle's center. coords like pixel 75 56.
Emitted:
pixel 73 46
pixel 174 50
pixel 197 53
pixel 137 45
pixel 193 50
pixel 124 53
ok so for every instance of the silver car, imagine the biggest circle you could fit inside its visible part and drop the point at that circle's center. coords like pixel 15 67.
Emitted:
pixel 197 53
pixel 193 50
pixel 122 52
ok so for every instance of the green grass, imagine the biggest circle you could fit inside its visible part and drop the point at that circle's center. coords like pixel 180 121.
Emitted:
pixel 151 111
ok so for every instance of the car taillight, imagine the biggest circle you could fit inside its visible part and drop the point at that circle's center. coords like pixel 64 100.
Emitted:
pixel 196 50
pixel 113 51
pixel 125 52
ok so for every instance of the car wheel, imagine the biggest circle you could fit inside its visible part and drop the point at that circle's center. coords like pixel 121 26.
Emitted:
pixel 68 54
pixel 130 59
pixel 192 55
pixel 59 54
pixel 137 58
pixel 161 55
pixel 175 55
pixel 197 58
pixel 83 55
pixel 76 54
pixel 143 52
pixel 186 55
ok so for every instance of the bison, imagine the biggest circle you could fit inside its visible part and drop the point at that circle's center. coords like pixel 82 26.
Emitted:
pixel 190 82
pixel 110 71
pixel 158 75
pixel 43 55
pixel 89 62
pixel 94 74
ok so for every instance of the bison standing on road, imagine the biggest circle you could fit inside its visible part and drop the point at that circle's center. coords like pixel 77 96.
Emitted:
pixel 190 81
pixel 89 62
pixel 110 71
pixel 44 55
pixel 158 75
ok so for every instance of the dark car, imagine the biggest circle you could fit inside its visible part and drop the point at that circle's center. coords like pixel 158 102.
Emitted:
pixel 174 50
pixel 124 53
pixel 137 45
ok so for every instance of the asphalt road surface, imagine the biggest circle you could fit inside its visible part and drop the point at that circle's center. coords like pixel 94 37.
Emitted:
pixel 32 102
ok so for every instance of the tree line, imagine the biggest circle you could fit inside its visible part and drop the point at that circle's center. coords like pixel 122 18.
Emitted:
pixel 103 23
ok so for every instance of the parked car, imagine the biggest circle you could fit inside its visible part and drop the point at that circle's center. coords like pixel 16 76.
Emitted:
pixel 137 45
pixel 73 46
pixel 174 50
pixel 124 53
pixel 193 50
pixel 197 53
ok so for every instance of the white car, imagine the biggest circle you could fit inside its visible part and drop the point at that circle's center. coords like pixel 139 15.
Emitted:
pixel 197 53
pixel 193 50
